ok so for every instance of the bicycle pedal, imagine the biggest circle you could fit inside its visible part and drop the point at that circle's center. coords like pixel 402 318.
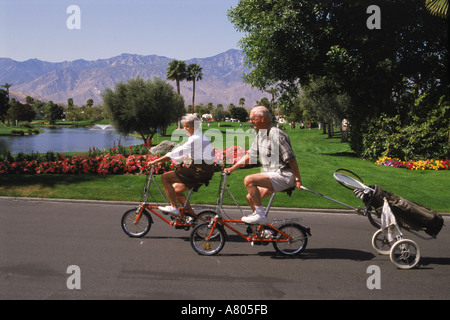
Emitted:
pixel 182 227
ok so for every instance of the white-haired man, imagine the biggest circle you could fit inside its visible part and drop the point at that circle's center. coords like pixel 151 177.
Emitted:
pixel 280 169
pixel 200 170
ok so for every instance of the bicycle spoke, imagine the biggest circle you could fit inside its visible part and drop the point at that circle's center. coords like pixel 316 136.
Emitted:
pixel 207 241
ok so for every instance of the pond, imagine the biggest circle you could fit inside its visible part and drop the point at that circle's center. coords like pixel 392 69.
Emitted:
pixel 66 140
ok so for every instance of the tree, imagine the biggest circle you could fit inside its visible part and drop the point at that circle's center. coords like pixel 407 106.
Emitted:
pixel 194 73
pixel 7 86
pixel 74 115
pixel 3 105
pixel 143 106
pixel 29 100
pixel 323 99
pixel 89 103
pixel 21 112
pixel 289 42
pixel 218 114
pixel 242 102
pixel 70 103
pixel 39 108
pixel 437 7
pixel 239 113
pixel 177 72
pixel 53 112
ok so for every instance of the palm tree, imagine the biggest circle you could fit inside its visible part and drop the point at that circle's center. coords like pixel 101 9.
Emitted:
pixel 437 7
pixel 242 102
pixel 7 86
pixel 70 103
pixel 194 73
pixel 177 72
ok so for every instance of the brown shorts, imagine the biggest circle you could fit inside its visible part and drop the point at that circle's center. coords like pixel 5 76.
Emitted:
pixel 195 175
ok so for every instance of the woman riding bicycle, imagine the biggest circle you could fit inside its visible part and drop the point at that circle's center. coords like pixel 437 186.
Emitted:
pixel 201 169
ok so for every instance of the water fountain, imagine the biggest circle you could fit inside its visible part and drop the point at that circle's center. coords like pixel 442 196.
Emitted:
pixel 102 127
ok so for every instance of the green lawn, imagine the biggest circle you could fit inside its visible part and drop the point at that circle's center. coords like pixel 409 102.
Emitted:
pixel 318 158
pixel 4 130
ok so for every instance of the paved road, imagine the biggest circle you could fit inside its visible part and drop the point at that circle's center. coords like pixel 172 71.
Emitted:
pixel 39 240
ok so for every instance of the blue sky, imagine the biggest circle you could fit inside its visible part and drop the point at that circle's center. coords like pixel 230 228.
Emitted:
pixel 179 29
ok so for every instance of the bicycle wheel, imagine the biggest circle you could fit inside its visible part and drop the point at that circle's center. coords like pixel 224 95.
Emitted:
pixel 204 245
pixel 298 241
pixel 206 215
pixel 405 254
pixel 133 228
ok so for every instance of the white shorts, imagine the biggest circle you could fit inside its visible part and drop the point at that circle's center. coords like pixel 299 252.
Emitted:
pixel 281 180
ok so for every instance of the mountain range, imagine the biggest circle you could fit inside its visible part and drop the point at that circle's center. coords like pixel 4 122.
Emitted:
pixel 82 80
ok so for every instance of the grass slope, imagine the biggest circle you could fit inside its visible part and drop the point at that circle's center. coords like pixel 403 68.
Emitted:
pixel 318 158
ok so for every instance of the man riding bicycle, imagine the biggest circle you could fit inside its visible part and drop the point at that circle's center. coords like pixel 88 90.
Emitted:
pixel 280 169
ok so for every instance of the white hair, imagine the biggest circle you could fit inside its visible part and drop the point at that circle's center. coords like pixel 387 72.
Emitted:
pixel 262 110
pixel 191 118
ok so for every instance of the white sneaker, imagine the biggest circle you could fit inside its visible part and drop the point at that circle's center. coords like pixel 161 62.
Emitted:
pixel 255 219
pixel 170 209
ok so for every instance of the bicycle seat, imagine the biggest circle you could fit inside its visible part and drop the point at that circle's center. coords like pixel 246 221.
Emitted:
pixel 199 184
pixel 289 191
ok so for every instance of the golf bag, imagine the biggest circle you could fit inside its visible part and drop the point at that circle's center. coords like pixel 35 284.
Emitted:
pixel 409 215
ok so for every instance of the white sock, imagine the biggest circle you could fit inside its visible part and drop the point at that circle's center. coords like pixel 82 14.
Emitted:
pixel 260 210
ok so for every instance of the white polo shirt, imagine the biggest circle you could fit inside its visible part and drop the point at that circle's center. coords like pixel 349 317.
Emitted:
pixel 197 148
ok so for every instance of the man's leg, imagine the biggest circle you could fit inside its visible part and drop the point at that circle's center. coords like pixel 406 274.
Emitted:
pixel 258 186
pixel 264 192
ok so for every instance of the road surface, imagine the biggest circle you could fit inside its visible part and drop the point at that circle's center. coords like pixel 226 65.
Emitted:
pixel 77 250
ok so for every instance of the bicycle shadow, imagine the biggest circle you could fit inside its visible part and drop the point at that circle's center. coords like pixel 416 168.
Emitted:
pixel 338 253
pixel 427 261
pixel 326 254
pixel 184 238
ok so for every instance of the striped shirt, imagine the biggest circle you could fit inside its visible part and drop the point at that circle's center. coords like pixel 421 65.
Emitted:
pixel 273 147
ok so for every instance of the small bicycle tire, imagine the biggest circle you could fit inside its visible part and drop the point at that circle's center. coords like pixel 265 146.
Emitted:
pixel 298 241
pixel 211 246
pixel 133 228
pixel 206 215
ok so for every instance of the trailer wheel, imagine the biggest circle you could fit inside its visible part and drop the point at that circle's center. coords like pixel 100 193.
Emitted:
pixel 405 254
pixel 381 243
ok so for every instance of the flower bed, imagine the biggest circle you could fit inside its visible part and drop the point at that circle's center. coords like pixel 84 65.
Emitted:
pixel 428 164
pixel 108 163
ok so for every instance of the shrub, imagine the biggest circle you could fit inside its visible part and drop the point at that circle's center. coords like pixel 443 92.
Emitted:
pixel 423 134
pixel 103 164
